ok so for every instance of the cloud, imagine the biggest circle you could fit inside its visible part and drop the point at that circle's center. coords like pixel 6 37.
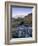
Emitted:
pixel 21 15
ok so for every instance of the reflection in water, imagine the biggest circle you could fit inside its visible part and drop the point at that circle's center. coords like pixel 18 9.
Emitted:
pixel 22 31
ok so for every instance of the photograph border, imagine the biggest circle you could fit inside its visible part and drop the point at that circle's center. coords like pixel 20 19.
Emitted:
pixel 7 26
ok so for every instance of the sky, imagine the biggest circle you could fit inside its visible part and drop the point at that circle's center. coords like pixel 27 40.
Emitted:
pixel 20 12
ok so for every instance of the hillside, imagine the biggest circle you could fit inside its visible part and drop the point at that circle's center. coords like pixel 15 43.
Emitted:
pixel 26 20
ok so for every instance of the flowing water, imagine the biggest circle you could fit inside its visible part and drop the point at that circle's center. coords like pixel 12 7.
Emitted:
pixel 23 31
